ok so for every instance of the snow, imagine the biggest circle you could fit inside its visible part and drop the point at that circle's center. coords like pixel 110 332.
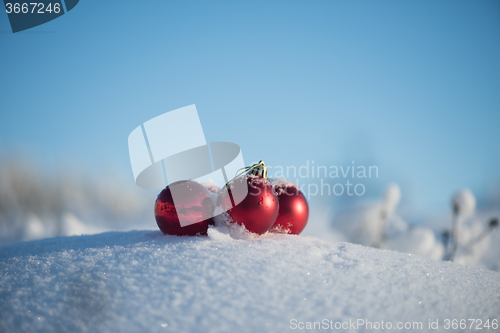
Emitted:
pixel 379 225
pixel 280 183
pixel 464 203
pixel 145 281
pixel 418 240
pixel 392 197
pixel 366 224
pixel 35 204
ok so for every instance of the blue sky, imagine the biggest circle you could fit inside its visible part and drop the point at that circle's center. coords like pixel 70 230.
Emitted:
pixel 412 87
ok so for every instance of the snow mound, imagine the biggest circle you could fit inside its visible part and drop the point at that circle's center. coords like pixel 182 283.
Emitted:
pixel 145 281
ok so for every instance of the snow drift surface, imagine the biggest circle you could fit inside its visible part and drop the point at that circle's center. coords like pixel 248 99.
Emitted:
pixel 145 281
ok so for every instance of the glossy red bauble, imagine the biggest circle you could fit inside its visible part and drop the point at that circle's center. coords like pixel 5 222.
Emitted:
pixel 193 203
pixel 293 210
pixel 258 211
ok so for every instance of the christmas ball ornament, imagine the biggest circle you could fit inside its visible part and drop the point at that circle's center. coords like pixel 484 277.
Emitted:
pixel 193 202
pixel 259 209
pixel 293 210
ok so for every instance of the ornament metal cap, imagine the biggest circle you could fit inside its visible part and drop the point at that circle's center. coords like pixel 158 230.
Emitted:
pixel 259 169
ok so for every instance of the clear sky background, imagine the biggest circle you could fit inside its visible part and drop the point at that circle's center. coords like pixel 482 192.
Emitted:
pixel 412 87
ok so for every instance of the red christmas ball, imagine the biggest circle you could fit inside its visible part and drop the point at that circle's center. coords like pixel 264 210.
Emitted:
pixel 258 211
pixel 293 210
pixel 193 202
